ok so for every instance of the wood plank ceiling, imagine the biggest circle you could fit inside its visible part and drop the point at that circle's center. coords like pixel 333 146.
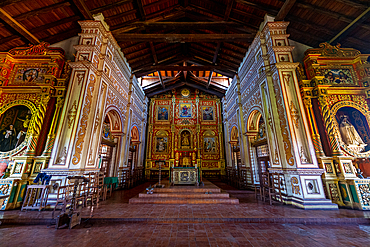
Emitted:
pixel 199 43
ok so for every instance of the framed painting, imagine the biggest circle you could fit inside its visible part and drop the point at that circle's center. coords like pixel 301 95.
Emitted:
pixel 162 113
pixel 208 113
pixel 338 76
pixel 161 144
pixel 185 110
pixel 209 144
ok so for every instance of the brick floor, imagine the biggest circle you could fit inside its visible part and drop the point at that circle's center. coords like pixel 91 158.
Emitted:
pixel 115 222
pixel 140 234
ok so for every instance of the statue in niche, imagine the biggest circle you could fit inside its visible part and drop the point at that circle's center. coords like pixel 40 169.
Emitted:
pixel 349 134
pixel 185 139
pixel 8 138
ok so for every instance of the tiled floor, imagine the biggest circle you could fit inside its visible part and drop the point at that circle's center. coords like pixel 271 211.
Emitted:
pixel 162 235
pixel 117 223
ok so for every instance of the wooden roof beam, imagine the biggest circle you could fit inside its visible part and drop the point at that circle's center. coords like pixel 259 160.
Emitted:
pixel 329 13
pixel 217 25
pixel 176 85
pixel 18 27
pixel 43 10
pixel 156 62
pixel 356 22
pixel 109 6
pixel 155 4
pixel 9 2
pixel 120 15
pixel 55 24
pixel 259 6
pixel 283 12
pixel 141 13
pixel 175 38
pixel 82 8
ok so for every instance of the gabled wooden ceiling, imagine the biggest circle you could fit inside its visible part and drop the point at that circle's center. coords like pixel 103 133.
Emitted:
pixel 169 42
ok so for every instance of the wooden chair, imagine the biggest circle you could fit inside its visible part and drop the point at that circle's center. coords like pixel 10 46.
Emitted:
pixel 64 198
pixel 265 185
pixel 36 197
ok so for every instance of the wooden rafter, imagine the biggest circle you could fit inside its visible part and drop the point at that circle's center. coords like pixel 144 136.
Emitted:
pixel 283 12
pixel 18 27
pixel 332 14
pixel 141 13
pixel 156 63
pixel 82 8
pixel 217 25
pixel 259 6
pixel 55 24
pixel 43 10
pixel 356 22
pixel 109 6
pixel 174 38
pixel 120 15
pixel 8 2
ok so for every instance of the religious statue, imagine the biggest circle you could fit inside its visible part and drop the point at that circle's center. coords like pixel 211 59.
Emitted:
pixel 359 173
pixel 185 139
pixel 8 139
pixel 349 134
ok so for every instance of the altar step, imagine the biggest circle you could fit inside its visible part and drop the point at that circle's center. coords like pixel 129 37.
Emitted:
pixel 180 200
pixel 185 195
pixel 207 194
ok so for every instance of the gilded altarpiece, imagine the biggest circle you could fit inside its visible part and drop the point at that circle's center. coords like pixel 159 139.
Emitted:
pixel 33 81
pixel 336 96
pixel 185 130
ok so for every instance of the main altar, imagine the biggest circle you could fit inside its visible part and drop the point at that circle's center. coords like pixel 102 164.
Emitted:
pixel 185 131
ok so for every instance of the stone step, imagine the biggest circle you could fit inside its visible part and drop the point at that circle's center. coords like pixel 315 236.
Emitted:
pixel 186 190
pixel 176 200
pixel 185 195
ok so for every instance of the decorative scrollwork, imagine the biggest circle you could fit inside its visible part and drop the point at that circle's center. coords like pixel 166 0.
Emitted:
pixel 83 122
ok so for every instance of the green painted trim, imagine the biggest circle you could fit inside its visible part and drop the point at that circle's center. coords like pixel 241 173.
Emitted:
pixel 354 193
pixel 20 197
pixel 12 194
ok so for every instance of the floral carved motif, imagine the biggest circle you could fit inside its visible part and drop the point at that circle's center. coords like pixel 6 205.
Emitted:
pixel 84 119
pixel 283 123
pixel 295 186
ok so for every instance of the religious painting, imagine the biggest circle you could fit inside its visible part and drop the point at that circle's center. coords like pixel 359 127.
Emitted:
pixel 161 145
pixel 185 110
pixel 14 124
pixel 162 113
pixel 207 113
pixel 28 75
pixel 338 76
pixel 209 145
pixel 107 135
pixel 185 139
pixel 353 129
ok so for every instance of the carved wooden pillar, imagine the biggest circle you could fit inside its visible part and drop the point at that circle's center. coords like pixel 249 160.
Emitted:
pixel 53 128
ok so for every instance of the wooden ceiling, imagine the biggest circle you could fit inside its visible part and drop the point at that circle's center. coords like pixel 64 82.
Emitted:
pixel 198 43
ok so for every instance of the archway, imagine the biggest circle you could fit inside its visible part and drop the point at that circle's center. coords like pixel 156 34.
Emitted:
pixel 235 148
pixel 109 142
pixel 132 161
pixel 259 154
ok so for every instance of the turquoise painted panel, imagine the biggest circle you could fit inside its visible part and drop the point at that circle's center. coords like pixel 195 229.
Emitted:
pixel 21 193
pixel 354 193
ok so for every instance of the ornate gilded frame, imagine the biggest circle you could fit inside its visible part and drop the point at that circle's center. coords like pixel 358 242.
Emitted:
pixel 33 110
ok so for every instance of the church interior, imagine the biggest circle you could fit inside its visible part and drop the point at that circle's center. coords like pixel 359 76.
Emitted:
pixel 216 114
